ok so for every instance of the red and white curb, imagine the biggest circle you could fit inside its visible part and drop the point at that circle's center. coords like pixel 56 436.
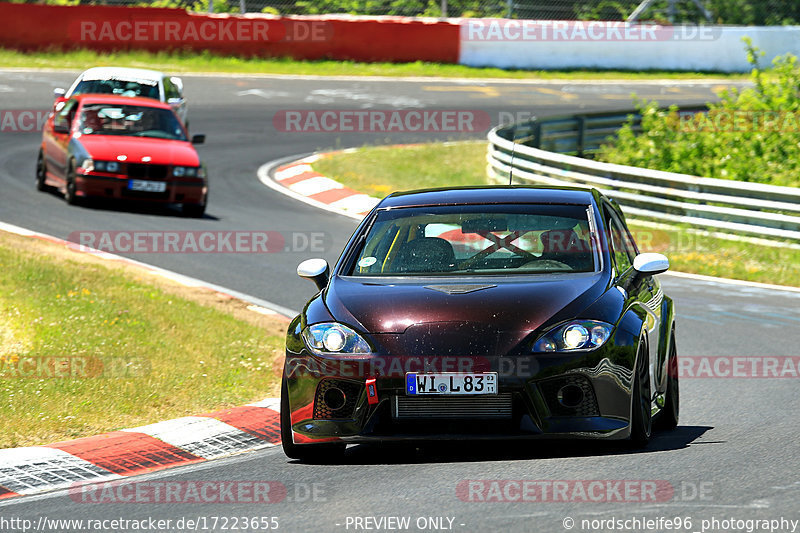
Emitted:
pixel 36 469
pixel 115 455
pixel 299 180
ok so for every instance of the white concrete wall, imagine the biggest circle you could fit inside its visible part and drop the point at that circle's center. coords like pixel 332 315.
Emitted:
pixel 506 44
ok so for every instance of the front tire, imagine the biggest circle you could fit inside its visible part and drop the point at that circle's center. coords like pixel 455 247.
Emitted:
pixel 641 412
pixel 41 172
pixel 670 414
pixel 195 210
pixel 70 189
pixel 312 453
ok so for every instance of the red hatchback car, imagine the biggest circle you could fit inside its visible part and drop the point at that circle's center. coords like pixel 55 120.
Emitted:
pixel 100 146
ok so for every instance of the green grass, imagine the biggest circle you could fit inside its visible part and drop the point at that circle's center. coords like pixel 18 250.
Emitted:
pixel 206 62
pixel 378 171
pixel 403 168
pixel 190 353
pixel 703 254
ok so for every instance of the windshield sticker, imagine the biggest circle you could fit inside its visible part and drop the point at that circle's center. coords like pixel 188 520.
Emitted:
pixel 367 262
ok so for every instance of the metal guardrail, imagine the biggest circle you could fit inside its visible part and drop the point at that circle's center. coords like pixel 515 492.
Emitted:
pixel 535 152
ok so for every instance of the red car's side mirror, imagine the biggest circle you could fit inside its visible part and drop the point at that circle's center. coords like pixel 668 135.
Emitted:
pixel 59 103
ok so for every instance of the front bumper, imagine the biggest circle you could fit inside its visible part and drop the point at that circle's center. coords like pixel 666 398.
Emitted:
pixel 116 187
pixel 529 404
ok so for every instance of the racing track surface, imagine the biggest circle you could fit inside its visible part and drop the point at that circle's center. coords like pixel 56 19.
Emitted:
pixel 737 436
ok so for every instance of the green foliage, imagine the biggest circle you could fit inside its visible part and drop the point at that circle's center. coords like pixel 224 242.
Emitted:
pixel 604 10
pixel 750 135
pixel 755 12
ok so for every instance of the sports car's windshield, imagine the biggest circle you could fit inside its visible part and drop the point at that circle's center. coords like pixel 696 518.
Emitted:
pixel 145 88
pixel 478 239
pixel 131 120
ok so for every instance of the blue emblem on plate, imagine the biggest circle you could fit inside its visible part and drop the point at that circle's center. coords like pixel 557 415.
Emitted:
pixel 411 383
pixel 442 387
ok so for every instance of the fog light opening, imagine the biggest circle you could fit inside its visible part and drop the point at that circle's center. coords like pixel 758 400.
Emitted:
pixel 570 396
pixel 334 398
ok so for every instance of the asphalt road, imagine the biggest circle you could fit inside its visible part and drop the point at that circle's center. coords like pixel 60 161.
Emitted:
pixel 735 454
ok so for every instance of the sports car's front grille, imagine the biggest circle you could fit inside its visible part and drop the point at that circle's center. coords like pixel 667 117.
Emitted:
pixel 584 404
pixel 146 171
pixel 484 407
pixel 336 399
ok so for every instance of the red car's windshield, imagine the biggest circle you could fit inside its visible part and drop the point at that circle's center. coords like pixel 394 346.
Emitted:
pixel 130 120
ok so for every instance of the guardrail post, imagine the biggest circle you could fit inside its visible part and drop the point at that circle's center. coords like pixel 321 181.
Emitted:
pixel 581 133
pixel 537 134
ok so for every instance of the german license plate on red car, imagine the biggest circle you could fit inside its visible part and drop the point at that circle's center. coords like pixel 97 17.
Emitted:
pixel 147 186
pixel 451 383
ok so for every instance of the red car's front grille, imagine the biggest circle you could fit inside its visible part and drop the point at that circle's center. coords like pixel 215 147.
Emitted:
pixel 146 171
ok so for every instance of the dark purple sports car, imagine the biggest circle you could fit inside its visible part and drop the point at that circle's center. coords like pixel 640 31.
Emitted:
pixel 482 313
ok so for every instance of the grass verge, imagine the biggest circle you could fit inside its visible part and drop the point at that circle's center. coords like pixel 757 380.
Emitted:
pixel 206 62
pixel 90 346
pixel 399 168
pixel 377 171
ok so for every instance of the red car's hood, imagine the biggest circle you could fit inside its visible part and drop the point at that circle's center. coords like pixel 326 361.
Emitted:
pixel 160 151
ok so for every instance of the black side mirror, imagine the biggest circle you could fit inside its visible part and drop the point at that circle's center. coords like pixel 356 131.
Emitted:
pixel 650 264
pixel 317 270
pixel 200 138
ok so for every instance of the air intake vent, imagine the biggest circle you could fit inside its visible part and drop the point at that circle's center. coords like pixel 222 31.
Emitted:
pixel 485 407
pixel 336 399
pixel 557 392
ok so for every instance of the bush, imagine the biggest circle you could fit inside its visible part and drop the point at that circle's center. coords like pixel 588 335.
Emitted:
pixel 750 135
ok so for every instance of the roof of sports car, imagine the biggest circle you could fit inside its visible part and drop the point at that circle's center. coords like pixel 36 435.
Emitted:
pixel 513 194
pixel 115 99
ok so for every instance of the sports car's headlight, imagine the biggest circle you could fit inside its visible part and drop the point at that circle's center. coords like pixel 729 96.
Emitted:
pixel 334 338
pixel 574 335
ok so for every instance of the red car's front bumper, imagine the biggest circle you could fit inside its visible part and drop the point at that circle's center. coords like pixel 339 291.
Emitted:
pixel 190 191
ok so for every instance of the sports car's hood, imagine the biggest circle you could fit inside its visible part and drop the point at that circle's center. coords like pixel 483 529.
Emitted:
pixel 381 306
pixel 160 151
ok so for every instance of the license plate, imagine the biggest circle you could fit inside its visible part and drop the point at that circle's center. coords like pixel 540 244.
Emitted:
pixel 147 186
pixel 451 383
